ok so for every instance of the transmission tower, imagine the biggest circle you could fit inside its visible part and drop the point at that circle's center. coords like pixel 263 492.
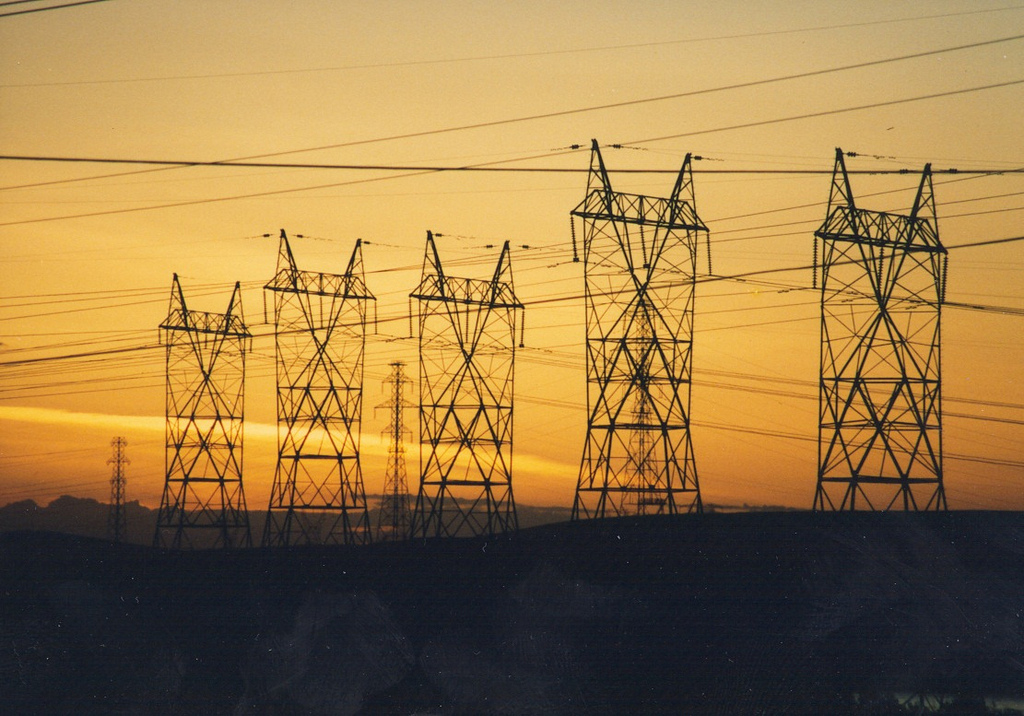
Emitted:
pixel 639 264
pixel 320 326
pixel 880 412
pixel 117 521
pixel 394 521
pixel 467 358
pixel 203 503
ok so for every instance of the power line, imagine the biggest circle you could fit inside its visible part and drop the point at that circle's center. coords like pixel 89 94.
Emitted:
pixel 421 171
pixel 73 356
pixel 470 168
pixel 989 242
pixel 506 56
pixel 44 9
pixel 826 113
pixel 1007 310
pixel 106 292
pixel 558 363
pixel 818 204
pixel 986 418
pixel 714 278
pixel 806 438
pixel 594 108
pixel 648 100
pixel 552 299
pixel 983 460
pixel 814 221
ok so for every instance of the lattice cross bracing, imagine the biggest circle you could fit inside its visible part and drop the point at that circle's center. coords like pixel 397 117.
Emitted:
pixel 880 414
pixel 467 333
pixel 639 257
pixel 203 502
pixel 318 496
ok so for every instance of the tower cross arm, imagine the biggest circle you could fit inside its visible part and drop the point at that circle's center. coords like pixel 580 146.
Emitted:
pixel 639 209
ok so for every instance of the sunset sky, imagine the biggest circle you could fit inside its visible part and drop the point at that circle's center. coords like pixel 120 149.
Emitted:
pixel 87 250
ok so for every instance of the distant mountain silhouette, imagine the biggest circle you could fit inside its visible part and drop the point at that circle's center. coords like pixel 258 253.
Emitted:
pixel 89 518
pixel 78 516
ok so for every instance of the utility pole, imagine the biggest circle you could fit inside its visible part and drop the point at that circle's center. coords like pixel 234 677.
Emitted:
pixel 883 278
pixel 203 502
pixel 467 330
pixel 318 495
pixel 394 521
pixel 117 522
pixel 640 272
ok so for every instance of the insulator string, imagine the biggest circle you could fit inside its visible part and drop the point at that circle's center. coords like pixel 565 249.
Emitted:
pixel 572 227
pixel 814 264
pixel 945 272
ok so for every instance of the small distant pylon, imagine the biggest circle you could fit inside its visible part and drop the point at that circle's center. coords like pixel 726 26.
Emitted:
pixel 883 278
pixel 394 521
pixel 640 272
pixel 117 522
pixel 203 503
pixel 467 330
pixel 318 496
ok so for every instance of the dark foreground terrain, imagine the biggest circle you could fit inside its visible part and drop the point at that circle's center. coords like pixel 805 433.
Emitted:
pixel 727 614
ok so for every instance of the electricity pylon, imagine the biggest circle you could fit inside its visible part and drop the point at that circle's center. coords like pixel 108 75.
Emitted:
pixel 117 520
pixel 320 334
pixel 639 264
pixel 467 344
pixel 880 394
pixel 203 503
pixel 394 521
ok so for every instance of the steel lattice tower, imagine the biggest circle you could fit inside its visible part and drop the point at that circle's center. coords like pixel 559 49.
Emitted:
pixel 117 521
pixel 203 503
pixel 880 414
pixel 639 263
pixel 467 366
pixel 394 521
pixel 318 495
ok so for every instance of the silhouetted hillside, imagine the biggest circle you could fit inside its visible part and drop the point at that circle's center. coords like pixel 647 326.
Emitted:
pixel 722 614
pixel 77 516
pixel 89 518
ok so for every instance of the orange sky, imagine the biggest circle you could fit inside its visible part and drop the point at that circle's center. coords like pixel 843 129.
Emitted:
pixel 87 262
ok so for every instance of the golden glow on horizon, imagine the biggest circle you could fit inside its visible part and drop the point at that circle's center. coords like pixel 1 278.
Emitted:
pixel 197 81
